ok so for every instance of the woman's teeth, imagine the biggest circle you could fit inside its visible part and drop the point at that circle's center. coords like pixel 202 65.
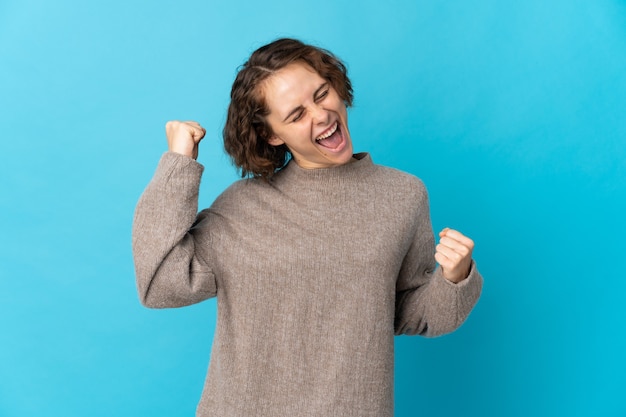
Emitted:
pixel 328 133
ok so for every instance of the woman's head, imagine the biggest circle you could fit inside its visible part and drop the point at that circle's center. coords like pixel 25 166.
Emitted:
pixel 258 141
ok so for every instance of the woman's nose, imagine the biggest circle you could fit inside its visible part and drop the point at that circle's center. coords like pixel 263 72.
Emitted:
pixel 320 115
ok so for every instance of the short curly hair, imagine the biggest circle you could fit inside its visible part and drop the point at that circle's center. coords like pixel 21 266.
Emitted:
pixel 247 132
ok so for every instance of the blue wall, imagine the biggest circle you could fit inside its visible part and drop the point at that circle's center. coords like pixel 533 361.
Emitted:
pixel 511 112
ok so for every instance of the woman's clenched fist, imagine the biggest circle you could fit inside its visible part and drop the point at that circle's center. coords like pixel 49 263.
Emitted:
pixel 184 137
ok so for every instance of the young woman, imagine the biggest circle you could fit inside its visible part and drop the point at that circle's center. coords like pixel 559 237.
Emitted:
pixel 317 258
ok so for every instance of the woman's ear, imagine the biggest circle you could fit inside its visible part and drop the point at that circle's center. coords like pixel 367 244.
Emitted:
pixel 275 141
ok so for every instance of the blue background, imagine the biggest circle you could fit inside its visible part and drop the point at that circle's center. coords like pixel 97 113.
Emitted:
pixel 513 113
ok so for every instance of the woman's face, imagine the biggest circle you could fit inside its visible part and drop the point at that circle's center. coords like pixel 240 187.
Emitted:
pixel 308 116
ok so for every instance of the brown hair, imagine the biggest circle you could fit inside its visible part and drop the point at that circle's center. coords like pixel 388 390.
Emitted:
pixel 246 132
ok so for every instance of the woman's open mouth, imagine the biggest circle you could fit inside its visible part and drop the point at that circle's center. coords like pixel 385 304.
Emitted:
pixel 332 139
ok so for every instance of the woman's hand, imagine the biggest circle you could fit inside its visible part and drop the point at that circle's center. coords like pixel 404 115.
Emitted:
pixel 184 137
pixel 454 254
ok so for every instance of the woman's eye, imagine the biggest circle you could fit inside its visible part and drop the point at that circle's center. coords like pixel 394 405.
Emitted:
pixel 322 95
pixel 298 116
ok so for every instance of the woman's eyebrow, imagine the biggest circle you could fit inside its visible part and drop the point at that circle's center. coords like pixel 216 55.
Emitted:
pixel 299 108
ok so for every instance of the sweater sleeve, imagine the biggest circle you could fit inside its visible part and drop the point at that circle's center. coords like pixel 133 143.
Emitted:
pixel 169 270
pixel 426 303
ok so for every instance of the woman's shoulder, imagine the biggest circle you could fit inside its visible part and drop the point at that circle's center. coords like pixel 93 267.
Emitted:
pixel 241 193
pixel 394 177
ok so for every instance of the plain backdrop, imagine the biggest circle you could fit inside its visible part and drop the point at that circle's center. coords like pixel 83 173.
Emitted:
pixel 512 112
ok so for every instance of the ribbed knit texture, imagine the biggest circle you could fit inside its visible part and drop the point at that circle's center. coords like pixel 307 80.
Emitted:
pixel 314 272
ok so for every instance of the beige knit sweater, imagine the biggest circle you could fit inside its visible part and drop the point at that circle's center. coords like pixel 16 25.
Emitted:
pixel 313 273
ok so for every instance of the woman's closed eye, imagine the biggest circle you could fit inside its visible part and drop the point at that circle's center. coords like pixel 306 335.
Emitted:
pixel 322 95
pixel 298 116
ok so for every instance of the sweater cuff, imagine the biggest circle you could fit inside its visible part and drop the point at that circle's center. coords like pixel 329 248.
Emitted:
pixel 466 293
pixel 467 290
pixel 472 276
pixel 173 164
pixel 170 158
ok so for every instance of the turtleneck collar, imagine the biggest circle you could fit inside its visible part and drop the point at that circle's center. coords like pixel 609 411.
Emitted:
pixel 295 176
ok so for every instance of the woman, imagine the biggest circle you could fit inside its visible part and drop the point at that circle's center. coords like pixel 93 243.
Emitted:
pixel 317 258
